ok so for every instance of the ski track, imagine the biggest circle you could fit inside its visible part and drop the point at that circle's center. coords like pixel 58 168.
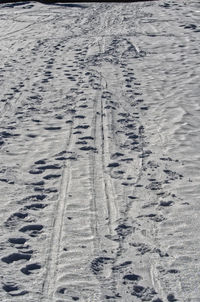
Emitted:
pixel 99 173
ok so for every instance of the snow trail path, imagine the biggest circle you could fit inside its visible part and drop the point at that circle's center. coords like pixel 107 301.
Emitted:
pixel 99 141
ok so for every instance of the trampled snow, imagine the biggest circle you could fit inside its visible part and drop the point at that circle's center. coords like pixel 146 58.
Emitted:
pixel 99 152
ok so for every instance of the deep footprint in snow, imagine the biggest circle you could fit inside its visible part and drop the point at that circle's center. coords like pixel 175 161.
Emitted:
pixel 13 289
pixel 15 218
pixel 32 230
pixel 16 257
pixel 19 240
pixel 145 293
pixel 27 270
pixel 35 206
pixel 98 264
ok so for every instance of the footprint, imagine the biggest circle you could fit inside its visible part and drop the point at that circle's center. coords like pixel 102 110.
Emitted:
pixel 40 162
pixel 15 218
pixel 166 203
pixel 49 167
pixel 113 165
pixel 82 127
pixel 80 116
pixel 52 176
pixel 86 138
pixel 52 128
pixel 17 240
pixel 171 298
pixel 13 289
pixel 33 229
pixel 98 263
pixel 10 286
pixel 88 148
pixel 116 155
pixel 27 270
pixel 145 293
pixel 132 277
pixel 123 230
pixel 16 257
pixel 35 206
pixel 122 265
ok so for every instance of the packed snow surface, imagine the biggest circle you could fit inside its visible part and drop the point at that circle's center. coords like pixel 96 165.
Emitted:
pixel 99 152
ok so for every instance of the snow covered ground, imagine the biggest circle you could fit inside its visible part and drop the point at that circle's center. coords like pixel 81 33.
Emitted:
pixel 99 152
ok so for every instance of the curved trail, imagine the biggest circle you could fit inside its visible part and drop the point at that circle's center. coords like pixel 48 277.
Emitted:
pixel 99 173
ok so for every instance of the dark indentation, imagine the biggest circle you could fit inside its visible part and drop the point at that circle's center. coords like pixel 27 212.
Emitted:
pixel 75 298
pixel 15 257
pixel 52 128
pixel 137 289
pixel 39 183
pixel 17 240
pixel 166 158
pixel 9 287
pixel 166 203
pixel 158 218
pixel 62 290
pixel 11 221
pixel 86 137
pixel 61 158
pixel 117 154
pixel 132 197
pixel 40 162
pixel 77 132
pixel 52 176
pixel 171 298
pixel 133 136
pixel 190 26
pixel 36 197
pixel 36 206
pixel 89 148
pixel 82 127
pixel 119 172
pixel 80 116
pixel 157 300
pixel 22 293
pixel 97 264
pixel 132 277
pixel 122 265
pixel 6 134
pixel 123 230
pixel 113 165
pixel 51 190
pixel 31 135
pixel 173 271
pixel 127 159
pixel 36 171
pixel 31 227
pixel 145 293
pixel 81 143
pixel 30 267
pixel 130 126
pixel 49 167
